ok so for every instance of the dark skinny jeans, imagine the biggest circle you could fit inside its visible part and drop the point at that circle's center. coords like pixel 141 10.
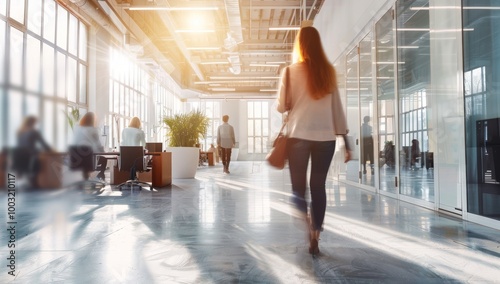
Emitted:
pixel 321 154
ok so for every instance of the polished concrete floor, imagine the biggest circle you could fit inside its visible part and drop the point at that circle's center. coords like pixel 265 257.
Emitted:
pixel 237 228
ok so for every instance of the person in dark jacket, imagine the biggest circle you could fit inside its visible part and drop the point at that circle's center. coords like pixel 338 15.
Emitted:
pixel 29 144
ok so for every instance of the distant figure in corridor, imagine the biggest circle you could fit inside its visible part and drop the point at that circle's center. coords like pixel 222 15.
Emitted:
pixel 315 118
pixel 367 146
pixel 414 152
pixel 225 140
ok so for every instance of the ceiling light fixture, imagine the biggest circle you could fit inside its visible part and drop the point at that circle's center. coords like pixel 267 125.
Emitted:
pixel 195 31
pixel 455 7
pixel 252 81
pixel 264 65
pixel 163 8
pixel 223 89
pixel 242 78
pixel 204 48
pixel 290 28
pixel 268 90
pixel 387 62
pixel 433 30
pixel 214 62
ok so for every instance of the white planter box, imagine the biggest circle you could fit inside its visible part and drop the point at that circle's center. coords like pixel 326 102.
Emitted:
pixel 184 161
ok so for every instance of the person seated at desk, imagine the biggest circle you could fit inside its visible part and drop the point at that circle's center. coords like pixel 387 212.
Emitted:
pixel 86 134
pixel 133 135
pixel 28 140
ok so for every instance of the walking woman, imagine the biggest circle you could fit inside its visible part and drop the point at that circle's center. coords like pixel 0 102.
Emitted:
pixel 315 118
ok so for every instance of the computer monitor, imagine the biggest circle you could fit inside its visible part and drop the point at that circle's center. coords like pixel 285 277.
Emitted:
pixel 154 146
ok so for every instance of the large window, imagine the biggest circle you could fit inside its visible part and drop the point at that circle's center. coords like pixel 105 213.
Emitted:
pixel 42 70
pixel 258 127
pixel 165 103
pixel 213 112
pixel 128 88
pixel 413 121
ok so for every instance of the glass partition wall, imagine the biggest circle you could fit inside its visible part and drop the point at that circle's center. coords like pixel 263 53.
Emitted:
pixel 386 103
pixel 338 170
pixel 435 134
pixel 413 53
pixel 352 113
pixel 367 145
pixel 481 22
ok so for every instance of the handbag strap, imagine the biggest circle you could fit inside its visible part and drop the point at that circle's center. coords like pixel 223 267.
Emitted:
pixel 288 100
pixel 288 103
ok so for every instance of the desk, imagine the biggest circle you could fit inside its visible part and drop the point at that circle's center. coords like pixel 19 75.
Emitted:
pixel 115 176
pixel 3 169
pixel 51 169
pixel 210 157
pixel 161 170
pixel 160 174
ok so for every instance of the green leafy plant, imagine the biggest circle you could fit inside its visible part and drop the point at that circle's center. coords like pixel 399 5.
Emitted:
pixel 72 116
pixel 184 130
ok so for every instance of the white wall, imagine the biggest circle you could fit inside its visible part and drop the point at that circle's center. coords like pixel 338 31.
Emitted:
pixel 342 23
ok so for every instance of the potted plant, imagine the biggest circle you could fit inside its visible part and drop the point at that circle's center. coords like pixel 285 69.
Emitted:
pixel 72 116
pixel 184 132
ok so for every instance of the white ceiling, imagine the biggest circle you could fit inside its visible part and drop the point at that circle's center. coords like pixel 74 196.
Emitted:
pixel 233 51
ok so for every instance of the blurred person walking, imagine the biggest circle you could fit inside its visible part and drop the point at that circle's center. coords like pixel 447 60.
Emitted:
pixel 225 140
pixel 315 118
pixel 29 142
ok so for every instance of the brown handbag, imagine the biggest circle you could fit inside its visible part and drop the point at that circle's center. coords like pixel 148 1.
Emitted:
pixel 277 156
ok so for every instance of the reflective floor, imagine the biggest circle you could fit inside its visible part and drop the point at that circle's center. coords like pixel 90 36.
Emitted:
pixel 238 228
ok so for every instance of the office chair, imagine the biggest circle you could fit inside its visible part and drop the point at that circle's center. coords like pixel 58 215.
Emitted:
pixel 82 158
pixel 132 160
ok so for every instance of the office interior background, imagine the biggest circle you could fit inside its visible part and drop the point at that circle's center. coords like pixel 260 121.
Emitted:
pixel 420 69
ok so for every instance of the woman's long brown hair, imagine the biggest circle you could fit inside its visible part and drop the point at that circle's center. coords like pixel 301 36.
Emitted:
pixel 320 72
pixel 88 119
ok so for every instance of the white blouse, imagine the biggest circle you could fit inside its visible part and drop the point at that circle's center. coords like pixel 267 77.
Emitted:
pixel 310 119
pixel 133 137
pixel 87 136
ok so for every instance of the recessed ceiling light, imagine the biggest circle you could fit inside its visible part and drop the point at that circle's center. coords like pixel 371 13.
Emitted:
pixel 290 28
pixel 163 8
pixel 223 89
pixel 204 48
pixel 195 31
pixel 264 65
pixel 214 62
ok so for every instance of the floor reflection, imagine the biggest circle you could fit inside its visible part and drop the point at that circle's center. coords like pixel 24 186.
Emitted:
pixel 220 228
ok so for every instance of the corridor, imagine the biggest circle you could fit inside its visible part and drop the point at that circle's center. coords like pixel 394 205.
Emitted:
pixel 239 228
